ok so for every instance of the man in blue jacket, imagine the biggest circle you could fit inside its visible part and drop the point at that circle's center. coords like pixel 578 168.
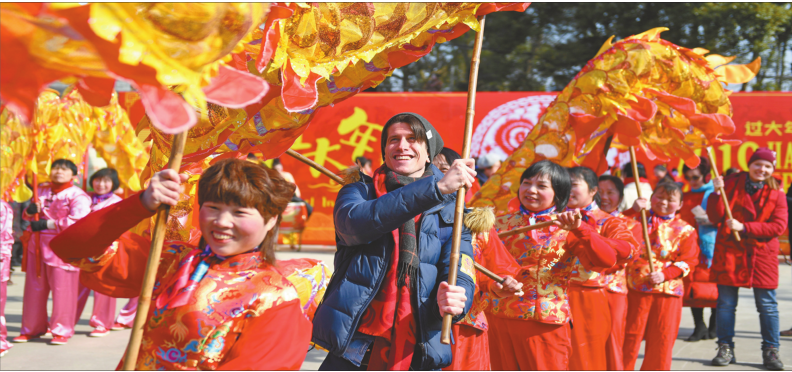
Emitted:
pixel 384 305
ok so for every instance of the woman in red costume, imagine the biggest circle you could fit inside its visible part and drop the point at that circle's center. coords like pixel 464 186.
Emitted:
pixel 531 332
pixel 654 301
pixel 699 291
pixel 611 192
pixel 588 298
pixel 221 305
pixel 759 211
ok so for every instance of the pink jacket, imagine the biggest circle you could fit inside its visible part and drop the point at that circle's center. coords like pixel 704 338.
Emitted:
pixel 103 203
pixel 6 229
pixel 65 208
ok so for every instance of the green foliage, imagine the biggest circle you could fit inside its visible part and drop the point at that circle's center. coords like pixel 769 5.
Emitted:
pixel 544 47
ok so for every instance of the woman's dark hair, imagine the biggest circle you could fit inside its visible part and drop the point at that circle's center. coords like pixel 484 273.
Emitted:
pixel 616 181
pixel 559 179
pixel 703 167
pixel 249 185
pixel 627 171
pixel 65 163
pixel 362 161
pixel 450 155
pixel 275 162
pixel 669 188
pixel 106 173
pixel 587 175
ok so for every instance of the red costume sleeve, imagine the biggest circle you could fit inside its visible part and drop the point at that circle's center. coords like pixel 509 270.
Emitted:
pixel 774 226
pixel 621 239
pixel 631 213
pixel 686 258
pixel 715 210
pixel 117 272
pixel 593 250
pixel 278 339
pixel 497 259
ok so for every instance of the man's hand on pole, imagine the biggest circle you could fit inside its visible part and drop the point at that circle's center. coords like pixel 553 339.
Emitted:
pixel 461 173
pixel 451 299
pixel 164 187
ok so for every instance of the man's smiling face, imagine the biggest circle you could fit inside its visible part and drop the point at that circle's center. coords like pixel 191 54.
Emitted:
pixel 404 154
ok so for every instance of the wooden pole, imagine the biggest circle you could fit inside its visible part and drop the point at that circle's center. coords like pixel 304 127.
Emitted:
pixel 445 336
pixel 644 224
pixel 722 192
pixel 520 230
pixel 488 273
pixel 157 238
pixel 85 170
pixel 316 166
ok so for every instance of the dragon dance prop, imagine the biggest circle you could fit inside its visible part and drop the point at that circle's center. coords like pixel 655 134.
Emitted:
pixel 643 91
pixel 64 128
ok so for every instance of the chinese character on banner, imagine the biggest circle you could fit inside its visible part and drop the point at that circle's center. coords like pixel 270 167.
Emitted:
pixel 773 128
pixel 320 155
pixel 361 132
pixel 788 127
pixel 753 128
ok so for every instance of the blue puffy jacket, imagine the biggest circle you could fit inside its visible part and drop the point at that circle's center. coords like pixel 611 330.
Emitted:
pixel 363 225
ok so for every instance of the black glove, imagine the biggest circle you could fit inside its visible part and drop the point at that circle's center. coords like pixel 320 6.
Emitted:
pixel 38 225
pixel 32 209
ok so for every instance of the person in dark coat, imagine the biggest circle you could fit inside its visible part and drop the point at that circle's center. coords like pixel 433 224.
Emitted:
pixel 759 210
pixel 384 305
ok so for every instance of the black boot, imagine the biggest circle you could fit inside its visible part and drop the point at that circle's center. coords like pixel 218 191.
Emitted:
pixel 700 331
pixel 771 360
pixel 725 356
pixel 713 325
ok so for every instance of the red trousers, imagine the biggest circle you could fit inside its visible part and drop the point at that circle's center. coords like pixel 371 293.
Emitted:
pixel 528 345
pixel 470 350
pixel 657 317
pixel 615 346
pixel 591 326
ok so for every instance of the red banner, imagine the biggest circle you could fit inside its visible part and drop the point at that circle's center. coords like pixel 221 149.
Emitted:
pixel 353 128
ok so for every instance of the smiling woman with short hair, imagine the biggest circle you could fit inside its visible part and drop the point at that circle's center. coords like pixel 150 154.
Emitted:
pixel 219 305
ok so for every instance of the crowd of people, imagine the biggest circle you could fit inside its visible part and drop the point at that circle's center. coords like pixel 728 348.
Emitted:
pixel 569 290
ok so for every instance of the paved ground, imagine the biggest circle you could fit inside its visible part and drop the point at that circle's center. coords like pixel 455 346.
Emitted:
pixel 85 353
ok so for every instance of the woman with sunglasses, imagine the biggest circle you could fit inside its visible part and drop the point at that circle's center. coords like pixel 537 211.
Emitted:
pixel 699 291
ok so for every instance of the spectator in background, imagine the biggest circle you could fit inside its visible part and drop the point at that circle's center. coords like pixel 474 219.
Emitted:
pixel 759 215
pixel 365 165
pixel 20 225
pixel 788 332
pixel 278 166
pixel 6 241
pixel 487 165
pixel 630 192
pixel 731 171
pixel 660 172
pixel 443 161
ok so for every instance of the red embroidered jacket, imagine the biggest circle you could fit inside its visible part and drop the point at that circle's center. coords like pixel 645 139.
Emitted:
pixel 243 314
pixel 675 251
pixel 489 251
pixel 613 228
pixel 547 258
